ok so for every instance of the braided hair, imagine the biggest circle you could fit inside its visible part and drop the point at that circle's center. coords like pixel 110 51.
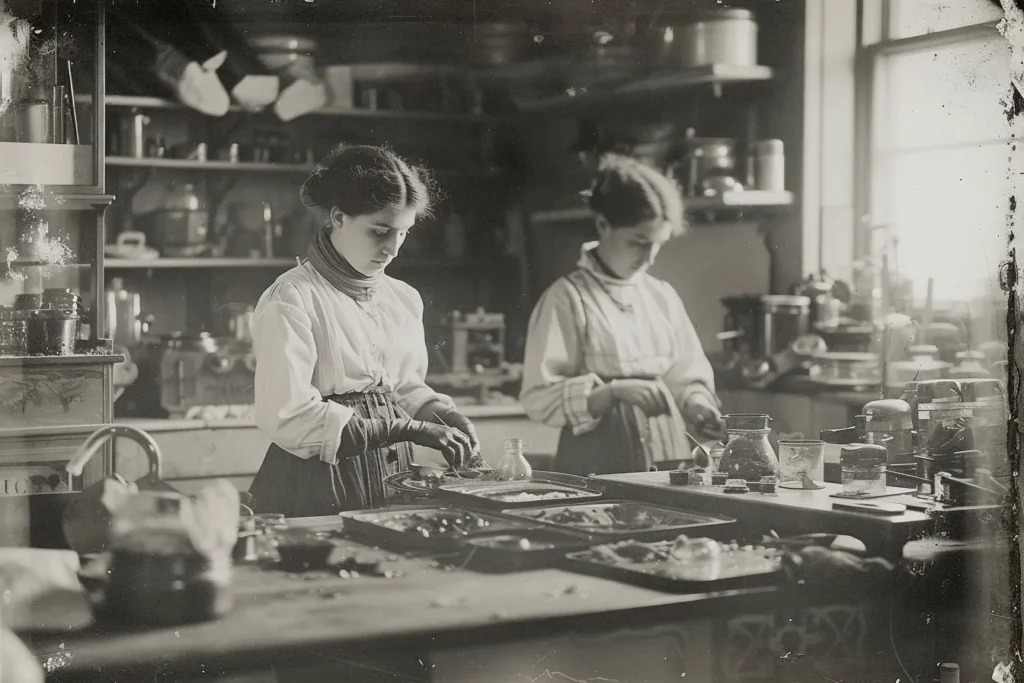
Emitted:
pixel 627 192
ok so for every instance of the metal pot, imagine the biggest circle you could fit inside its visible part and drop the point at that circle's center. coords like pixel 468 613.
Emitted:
pixel 784 318
pixel 705 158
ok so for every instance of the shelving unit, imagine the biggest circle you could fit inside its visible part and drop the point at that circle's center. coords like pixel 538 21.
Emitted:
pixel 658 83
pixel 213 165
pixel 197 263
pixel 139 102
pixel 753 200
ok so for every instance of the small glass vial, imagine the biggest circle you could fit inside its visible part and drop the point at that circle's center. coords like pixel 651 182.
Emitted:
pixel 863 469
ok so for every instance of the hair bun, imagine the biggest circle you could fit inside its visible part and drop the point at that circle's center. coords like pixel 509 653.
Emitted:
pixel 311 194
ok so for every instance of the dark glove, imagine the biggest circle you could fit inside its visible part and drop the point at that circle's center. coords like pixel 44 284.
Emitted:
pixel 361 435
pixel 457 420
pixel 453 444
pixel 439 412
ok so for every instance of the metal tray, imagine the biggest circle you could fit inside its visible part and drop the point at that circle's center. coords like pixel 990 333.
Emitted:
pixel 639 521
pixel 502 552
pixel 738 569
pixel 398 526
pixel 500 495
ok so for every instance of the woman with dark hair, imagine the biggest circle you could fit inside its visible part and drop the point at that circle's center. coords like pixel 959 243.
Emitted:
pixel 340 350
pixel 611 356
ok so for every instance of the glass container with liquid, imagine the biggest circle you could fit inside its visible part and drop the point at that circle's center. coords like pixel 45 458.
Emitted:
pixel 748 454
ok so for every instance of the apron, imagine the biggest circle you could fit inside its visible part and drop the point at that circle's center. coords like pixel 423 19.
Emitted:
pixel 623 440
pixel 310 487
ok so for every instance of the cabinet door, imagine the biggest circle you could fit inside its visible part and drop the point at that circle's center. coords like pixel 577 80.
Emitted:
pixel 50 134
pixel 195 456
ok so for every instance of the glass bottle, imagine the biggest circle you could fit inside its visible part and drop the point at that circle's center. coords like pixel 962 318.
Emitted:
pixel 748 454
pixel 514 464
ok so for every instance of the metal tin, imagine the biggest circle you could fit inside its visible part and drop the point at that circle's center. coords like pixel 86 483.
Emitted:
pixel 52 333
pixel 767 166
pixel 718 36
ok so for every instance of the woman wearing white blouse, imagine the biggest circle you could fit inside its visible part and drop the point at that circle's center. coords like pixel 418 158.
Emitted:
pixel 611 356
pixel 340 350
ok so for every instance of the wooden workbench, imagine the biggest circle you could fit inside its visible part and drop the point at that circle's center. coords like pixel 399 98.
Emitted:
pixel 281 618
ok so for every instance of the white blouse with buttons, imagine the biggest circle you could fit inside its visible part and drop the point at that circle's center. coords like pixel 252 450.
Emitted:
pixel 312 341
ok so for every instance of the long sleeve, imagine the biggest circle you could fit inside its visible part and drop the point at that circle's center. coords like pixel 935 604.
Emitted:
pixel 289 409
pixel 690 373
pixel 411 390
pixel 555 387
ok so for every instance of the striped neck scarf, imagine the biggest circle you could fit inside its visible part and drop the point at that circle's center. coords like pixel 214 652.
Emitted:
pixel 336 269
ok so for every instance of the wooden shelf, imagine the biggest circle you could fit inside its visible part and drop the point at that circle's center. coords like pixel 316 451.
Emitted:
pixel 193 165
pixel 110 263
pixel 729 202
pixel 79 359
pixel 128 101
pixel 61 201
pixel 662 83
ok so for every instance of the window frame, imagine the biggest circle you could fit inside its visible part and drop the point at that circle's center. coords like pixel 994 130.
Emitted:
pixel 874 45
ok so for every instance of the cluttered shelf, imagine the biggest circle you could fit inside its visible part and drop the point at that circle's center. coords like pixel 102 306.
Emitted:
pixel 657 83
pixel 199 262
pixel 141 102
pixel 753 200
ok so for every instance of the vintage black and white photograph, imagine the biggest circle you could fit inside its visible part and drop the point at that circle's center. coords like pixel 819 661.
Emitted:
pixel 511 341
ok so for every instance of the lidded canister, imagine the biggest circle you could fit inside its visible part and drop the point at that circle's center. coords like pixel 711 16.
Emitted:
pixel 863 469
pixel 890 418
pixel 767 165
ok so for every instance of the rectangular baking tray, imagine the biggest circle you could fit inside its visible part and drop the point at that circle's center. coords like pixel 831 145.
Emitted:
pixel 500 552
pixel 492 495
pixel 373 526
pixel 741 569
pixel 652 522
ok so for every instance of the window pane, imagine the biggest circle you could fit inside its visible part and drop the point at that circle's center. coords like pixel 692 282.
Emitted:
pixel 947 95
pixel 917 17
pixel 948 210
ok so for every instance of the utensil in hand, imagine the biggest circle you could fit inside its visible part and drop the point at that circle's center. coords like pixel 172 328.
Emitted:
pixel 450 468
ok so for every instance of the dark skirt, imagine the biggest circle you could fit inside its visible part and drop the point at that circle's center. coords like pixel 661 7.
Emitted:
pixel 301 487
pixel 615 445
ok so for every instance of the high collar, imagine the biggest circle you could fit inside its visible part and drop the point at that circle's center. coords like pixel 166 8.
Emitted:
pixel 588 262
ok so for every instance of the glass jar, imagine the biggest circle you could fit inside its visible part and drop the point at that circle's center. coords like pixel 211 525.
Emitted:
pixel 863 469
pixel 801 460
pixel 748 454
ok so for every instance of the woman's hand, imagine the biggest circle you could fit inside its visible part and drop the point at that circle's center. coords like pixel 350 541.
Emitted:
pixel 645 394
pixel 455 419
pixel 704 417
pixel 454 445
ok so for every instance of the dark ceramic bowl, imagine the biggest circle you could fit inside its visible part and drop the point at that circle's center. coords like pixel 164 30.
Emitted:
pixel 303 552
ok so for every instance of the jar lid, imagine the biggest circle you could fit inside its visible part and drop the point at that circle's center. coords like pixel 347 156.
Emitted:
pixel 970 355
pixel 786 300
pixel 938 390
pixel 747 421
pixel 772 146
pixel 891 414
pixel 863 455
pixel 923 349
pixel 721 14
